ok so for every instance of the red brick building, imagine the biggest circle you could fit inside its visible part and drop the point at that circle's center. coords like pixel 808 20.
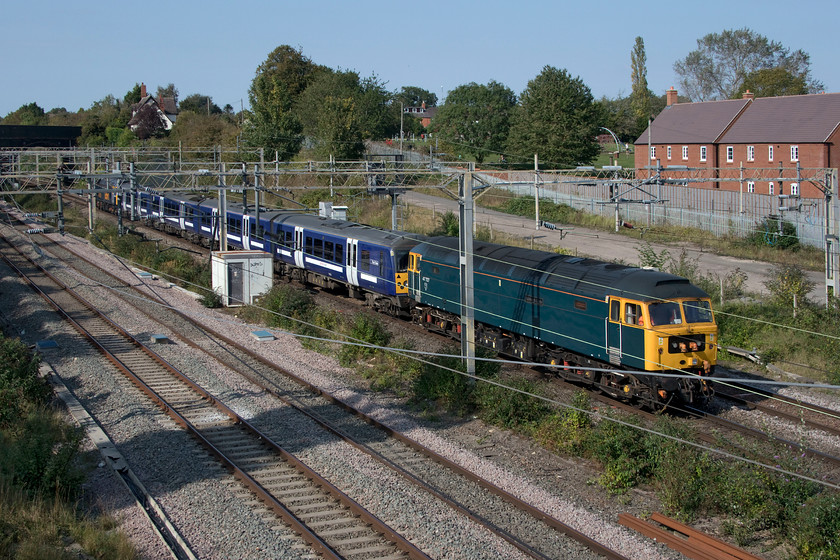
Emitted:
pixel 749 144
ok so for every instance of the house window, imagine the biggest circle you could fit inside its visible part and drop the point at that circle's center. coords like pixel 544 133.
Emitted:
pixel 653 152
pixel 685 152
pixel 770 187
pixel 751 186
pixel 769 153
pixel 702 153
pixel 794 189
pixel 750 153
pixel 730 154
pixel 794 153
pixel 669 152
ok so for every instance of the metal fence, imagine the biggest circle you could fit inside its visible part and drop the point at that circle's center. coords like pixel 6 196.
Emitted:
pixel 717 211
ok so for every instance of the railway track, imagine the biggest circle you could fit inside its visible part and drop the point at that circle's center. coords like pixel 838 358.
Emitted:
pixel 332 524
pixel 535 532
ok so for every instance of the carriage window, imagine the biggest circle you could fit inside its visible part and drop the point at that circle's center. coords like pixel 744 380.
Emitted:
pixel 319 248
pixel 365 260
pixel 309 246
pixel 328 250
pixel 381 263
pixel 339 253
pixel 234 225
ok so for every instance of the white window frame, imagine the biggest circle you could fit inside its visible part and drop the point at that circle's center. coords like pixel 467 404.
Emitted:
pixel 750 153
pixel 653 152
pixel 685 153
pixel 730 154
pixel 669 152
pixel 794 153
pixel 769 153
pixel 702 153
pixel 750 186
pixel 770 187
pixel 794 189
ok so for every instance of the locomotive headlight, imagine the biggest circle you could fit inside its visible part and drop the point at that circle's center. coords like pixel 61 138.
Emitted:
pixel 694 362
pixel 712 337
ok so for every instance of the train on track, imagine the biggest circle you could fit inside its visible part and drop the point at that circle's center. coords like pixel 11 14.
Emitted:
pixel 642 336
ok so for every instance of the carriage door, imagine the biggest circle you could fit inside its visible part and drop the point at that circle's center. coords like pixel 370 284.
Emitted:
pixel 613 333
pixel 299 246
pixel 246 232
pixel 353 261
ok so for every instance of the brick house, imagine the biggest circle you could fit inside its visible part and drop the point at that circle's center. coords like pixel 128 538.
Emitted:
pixel 762 140
pixel 425 114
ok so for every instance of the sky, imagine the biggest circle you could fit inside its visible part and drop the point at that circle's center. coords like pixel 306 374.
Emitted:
pixel 72 54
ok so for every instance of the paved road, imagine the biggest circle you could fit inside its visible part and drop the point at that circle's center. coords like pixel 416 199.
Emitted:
pixel 610 246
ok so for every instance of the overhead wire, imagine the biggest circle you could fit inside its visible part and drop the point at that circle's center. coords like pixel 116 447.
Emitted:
pixel 701 447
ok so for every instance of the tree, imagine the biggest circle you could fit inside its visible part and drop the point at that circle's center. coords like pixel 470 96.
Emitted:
pixel 132 96
pixel 640 96
pixel 29 115
pixel 722 61
pixel 413 96
pixel 556 119
pixel 477 118
pixel 280 80
pixel 167 91
pixel 198 103
pixel 773 82
pixel 338 129
pixel 147 122
pixel 200 129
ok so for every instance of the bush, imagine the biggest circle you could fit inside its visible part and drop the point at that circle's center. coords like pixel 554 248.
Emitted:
pixel 816 534
pixel 768 233
pixel 289 306
pixel 368 329
pixel 788 282
pixel 20 386
pixel 511 408
pixel 568 430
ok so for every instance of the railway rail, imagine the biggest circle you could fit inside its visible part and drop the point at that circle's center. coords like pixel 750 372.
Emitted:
pixel 433 473
pixel 332 524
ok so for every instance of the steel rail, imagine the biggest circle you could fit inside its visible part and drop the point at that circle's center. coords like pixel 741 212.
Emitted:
pixel 311 537
pixel 536 513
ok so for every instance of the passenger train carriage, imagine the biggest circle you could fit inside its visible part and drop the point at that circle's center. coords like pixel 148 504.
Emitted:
pixel 599 321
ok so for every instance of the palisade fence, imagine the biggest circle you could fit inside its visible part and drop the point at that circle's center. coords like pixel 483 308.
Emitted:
pixel 721 212
pixel 718 211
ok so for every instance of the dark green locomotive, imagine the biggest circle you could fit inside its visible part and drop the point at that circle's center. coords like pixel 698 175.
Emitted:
pixel 600 320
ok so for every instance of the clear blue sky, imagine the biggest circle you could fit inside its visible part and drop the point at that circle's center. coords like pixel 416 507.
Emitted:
pixel 71 54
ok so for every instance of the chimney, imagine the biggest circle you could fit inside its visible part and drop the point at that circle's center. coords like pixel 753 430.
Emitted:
pixel 142 90
pixel 671 96
pixel 749 95
pixel 423 105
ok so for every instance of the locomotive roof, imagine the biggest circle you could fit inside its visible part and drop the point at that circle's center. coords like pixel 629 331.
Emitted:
pixel 590 277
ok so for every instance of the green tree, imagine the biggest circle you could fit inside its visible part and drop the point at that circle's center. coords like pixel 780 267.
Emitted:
pixel 773 82
pixel 413 96
pixel 197 103
pixel 722 61
pixel 132 96
pixel 27 115
pixel 476 117
pixel 280 80
pixel 640 96
pixel 338 129
pixel 168 90
pixel 556 119
pixel 201 129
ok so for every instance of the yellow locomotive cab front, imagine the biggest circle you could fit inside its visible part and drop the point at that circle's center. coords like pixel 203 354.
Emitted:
pixel 681 336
